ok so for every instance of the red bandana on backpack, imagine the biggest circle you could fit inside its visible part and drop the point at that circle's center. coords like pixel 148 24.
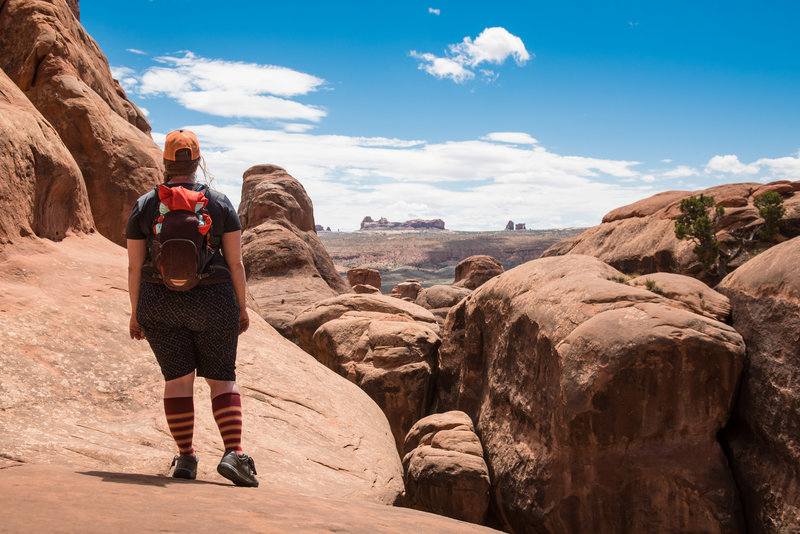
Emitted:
pixel 180 248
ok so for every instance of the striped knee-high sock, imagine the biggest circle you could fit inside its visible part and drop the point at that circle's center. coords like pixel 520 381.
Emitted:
pixel 180 418
pixel 228 415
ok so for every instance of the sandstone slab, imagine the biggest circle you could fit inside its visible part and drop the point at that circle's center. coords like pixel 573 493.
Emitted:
pixel 364 276
pixel 475 270
pixel 77 391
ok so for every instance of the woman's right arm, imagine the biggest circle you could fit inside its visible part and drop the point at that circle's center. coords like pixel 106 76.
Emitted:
pixel 137 253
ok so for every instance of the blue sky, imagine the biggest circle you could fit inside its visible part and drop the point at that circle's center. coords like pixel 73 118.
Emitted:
pixel 549 113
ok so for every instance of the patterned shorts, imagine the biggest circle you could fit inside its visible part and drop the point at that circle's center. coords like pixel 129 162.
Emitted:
pixel 191 330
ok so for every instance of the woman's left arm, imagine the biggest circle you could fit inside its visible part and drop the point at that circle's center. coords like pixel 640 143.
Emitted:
pixel 232 252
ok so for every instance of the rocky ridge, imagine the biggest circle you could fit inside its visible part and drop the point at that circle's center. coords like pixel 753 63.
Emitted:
pixel 414 224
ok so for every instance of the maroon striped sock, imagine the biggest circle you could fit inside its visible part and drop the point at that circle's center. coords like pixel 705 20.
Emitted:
pixel 180 418
pixel 227 410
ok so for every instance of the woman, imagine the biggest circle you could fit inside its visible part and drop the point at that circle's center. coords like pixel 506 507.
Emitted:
pixel 193 332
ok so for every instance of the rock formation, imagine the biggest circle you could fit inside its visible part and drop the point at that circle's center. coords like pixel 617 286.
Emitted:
pixel 475 270
pixel 414 224
pixel 519 226
pixel 386 346
pixel 641 238
pixel 60 68
pixel 287 266
pixel 408 289
pixel 597 403
pixel 78 392
pixel 364 276
pixel 763 437
pixel 366 289
pixel 444 468
pixel 509 225
pixel 440 298
pixel 41 186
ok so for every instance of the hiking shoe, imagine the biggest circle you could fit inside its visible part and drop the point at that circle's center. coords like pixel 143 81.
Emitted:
pixel 185 467
pixel 238 469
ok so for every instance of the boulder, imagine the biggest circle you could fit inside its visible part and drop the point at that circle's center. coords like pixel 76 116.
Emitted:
pixel 78 392
pixel 326 310
pixel 444 469
pixel 50 57
pixel 363 288
pixel 598 403
pixel 41 186
pixel 364 276
pixel 640 237
pixel 406 290
pixel 475 270
pixel 441 296
pixel 763 437
pixel 287 266
pixel 688 292
pixel 392 358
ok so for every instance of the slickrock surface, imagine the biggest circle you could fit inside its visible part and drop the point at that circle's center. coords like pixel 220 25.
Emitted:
pixel 48 54
pixel 40 184
pixel 288 268
pixel 77 391
pixel 53 499
pixel 641 238
pixel 693 294
pixel 444 468
pixel 764 434
pixel 598 404
pixel 475 270
pixel 441 296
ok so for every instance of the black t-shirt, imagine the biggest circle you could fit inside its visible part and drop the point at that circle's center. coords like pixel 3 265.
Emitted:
pixel 224 219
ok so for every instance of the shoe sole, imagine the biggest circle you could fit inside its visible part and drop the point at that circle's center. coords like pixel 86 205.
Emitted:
pixel 184 473
pixel 231 474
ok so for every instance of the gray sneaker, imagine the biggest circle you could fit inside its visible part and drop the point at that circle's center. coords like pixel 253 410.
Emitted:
pixel 238 469
pixel 185 467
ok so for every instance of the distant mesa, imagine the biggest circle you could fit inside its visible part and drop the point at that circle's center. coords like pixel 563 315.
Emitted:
pixel 511 226
pixel 414 224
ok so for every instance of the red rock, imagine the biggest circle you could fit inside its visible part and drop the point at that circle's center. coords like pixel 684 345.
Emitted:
pixel 77 391
pixel 364 288
pixel 641 237
pixel 406 290
pixel 763 436
pixel 687 292
pixel 41 186
pixel 445 472
pixel 40 498
pixel 60 68
pixel 365 276
pixel 287 266
pixel 440 296
pixel 598 404
pixel 475 270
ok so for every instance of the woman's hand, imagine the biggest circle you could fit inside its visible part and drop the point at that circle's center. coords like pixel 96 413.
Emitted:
pixel 136 330
pixel 244 321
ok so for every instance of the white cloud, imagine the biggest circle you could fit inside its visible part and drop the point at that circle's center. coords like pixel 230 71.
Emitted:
pixel 787 168
pixel 232 89
pixel 136 51
pixel 436 12
pixel 442 67
pixel 492 46
pixel 517 138
pixel 145 111
pixel 729 164
pixel 666 160
pixel 681 171
pixel 472 185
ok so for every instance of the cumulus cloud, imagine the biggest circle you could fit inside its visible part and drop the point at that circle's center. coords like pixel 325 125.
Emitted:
pixel 681 171
pixel 730 164
pixel 232 88
pixel 493 46
pixel 436 12
pixel 126 77
pixel 471 184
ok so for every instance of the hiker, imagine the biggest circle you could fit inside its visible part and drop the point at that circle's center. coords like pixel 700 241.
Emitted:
pixel 191 331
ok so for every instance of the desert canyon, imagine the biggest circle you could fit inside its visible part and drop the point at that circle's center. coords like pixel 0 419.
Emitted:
pixel 608 386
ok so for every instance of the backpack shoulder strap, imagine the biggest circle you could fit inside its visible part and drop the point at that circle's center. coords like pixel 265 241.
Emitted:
pixel 217 216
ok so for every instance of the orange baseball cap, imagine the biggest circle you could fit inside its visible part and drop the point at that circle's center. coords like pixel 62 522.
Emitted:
pixel 180 139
